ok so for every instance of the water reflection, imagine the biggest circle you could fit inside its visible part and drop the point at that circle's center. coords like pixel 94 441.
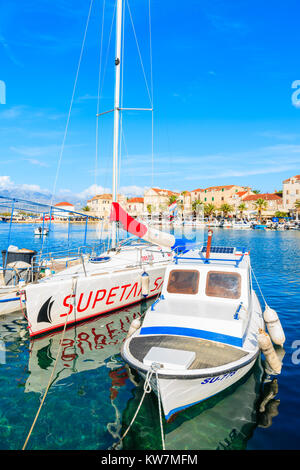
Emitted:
pixel 225 421
pixel 84 347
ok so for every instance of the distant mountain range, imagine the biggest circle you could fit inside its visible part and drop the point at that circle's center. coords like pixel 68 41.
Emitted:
pixel 44 198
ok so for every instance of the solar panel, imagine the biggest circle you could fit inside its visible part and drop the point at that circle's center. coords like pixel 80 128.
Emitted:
pixel 218 249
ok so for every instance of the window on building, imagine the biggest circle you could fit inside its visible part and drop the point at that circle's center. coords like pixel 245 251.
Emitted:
pixel 183 282
pixel 221 284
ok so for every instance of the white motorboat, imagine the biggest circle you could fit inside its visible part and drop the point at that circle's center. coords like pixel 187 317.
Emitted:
pixel 40 231
pixel 201 335
pixel 241 225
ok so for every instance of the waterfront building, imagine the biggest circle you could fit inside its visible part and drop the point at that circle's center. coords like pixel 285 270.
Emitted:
pixel 135 206
pixel 67 206
pixel 273 204
pixel 291 193
pixel 100 205
pixel 219 195
pixel 157 200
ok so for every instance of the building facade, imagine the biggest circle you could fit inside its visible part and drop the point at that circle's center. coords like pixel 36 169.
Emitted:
pixel 100 205
pixel 274 203
pixel 157 200
pixel 291 193
pixel 135 206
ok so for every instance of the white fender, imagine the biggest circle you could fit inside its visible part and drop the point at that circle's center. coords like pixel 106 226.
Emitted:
pixel 266 346
pixel 145 284
pixel 274 326
pixel 135 325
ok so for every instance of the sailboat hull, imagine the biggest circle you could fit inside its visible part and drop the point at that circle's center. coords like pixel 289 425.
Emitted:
pixel 50 305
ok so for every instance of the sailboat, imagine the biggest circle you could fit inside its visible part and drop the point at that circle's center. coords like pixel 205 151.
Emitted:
pixel 126 274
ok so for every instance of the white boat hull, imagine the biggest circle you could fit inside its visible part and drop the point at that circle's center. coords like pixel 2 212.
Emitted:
pixel 9 301
pixel 50 305
pixel 177 395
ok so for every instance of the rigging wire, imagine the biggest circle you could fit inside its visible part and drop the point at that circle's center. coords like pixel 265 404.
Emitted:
pixel 151 85
pixel 72 101
pixel 98 95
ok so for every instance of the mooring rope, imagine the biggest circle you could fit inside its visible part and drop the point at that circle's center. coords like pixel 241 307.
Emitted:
pixel 160 413
pixel 147 389
pixel 259 286
pixel 74 285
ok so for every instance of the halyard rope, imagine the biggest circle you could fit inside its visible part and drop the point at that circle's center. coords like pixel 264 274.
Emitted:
pixel 74 285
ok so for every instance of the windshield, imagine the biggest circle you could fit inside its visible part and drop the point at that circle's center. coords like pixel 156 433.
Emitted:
pixel 183 282
pixel 221 284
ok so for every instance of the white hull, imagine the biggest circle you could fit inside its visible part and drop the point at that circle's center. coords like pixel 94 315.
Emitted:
pixel 176 395
pixel 9 300
pixel 71 296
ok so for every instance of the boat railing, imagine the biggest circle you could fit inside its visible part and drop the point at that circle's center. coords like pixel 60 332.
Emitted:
pixel 180 257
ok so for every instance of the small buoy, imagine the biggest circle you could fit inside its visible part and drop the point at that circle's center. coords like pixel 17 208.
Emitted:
pixel 145 284
pixel 274 326
pixel 266 346
pixel 135 325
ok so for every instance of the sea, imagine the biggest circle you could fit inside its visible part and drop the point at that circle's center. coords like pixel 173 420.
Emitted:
pixel 93 395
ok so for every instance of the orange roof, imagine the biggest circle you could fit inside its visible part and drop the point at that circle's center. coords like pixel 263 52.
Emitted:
pixel 288 180
pixel 160 191
pixel 63 204
pixel 266 197
pixel 199 190
pixel 101 196
pixel 241 193
pixel 136 199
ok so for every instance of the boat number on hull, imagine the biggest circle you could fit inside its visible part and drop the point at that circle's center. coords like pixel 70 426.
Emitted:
pixel 211 380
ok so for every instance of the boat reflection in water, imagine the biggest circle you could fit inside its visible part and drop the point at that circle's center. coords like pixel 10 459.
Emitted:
pixel 225 421
pixel 84 347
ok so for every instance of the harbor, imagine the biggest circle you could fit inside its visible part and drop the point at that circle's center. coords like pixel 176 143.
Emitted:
pixel 93 384
pixel 150 238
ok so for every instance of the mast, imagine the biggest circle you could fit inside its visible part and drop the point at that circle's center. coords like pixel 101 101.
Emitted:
pixel 116 112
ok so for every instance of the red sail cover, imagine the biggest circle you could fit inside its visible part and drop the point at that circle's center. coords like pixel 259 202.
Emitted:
pixel 118 214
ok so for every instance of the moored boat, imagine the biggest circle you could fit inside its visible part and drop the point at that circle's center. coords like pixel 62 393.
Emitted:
pixel 202 335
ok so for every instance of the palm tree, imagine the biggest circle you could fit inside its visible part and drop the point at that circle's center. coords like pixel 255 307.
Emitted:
pixel 260 205
pixel 209 209
pixel 172 199
pixel 297 207
pixel 242 207
pixel 149 208
pixel 226 209
pixel 86 208
pixel 256 191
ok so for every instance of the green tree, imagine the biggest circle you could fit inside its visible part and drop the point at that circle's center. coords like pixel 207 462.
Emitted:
pixel 297 207
pixel 256 191
pixel 86 209
pixel 226 209
pixel 242 207
pixel 172 199
pixel 209 209
pixel 260 205
pixel 149 208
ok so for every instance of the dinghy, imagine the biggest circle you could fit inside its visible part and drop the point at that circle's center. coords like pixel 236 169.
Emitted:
pixel 201 335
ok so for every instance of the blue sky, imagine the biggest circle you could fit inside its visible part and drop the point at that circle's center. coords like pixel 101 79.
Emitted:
pixel 222 93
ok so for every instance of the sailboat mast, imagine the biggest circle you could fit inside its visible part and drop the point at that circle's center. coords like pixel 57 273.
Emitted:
pixel 117 110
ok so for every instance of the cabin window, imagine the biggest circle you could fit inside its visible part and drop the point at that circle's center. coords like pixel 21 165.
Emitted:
pixel 221 284
pixel 183 282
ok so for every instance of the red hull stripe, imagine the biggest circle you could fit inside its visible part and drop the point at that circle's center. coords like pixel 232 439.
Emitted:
pixel 61 325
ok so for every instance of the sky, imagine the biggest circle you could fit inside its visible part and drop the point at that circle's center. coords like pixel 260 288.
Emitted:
pixel 222 74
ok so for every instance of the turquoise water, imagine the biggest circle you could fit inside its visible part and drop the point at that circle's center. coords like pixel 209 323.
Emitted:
pixel 93 395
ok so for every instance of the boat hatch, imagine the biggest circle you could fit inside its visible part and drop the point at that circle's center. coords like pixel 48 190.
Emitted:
pixel 169 358
pixel 183 281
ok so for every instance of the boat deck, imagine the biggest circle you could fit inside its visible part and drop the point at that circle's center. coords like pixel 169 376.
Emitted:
pixel 208 354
